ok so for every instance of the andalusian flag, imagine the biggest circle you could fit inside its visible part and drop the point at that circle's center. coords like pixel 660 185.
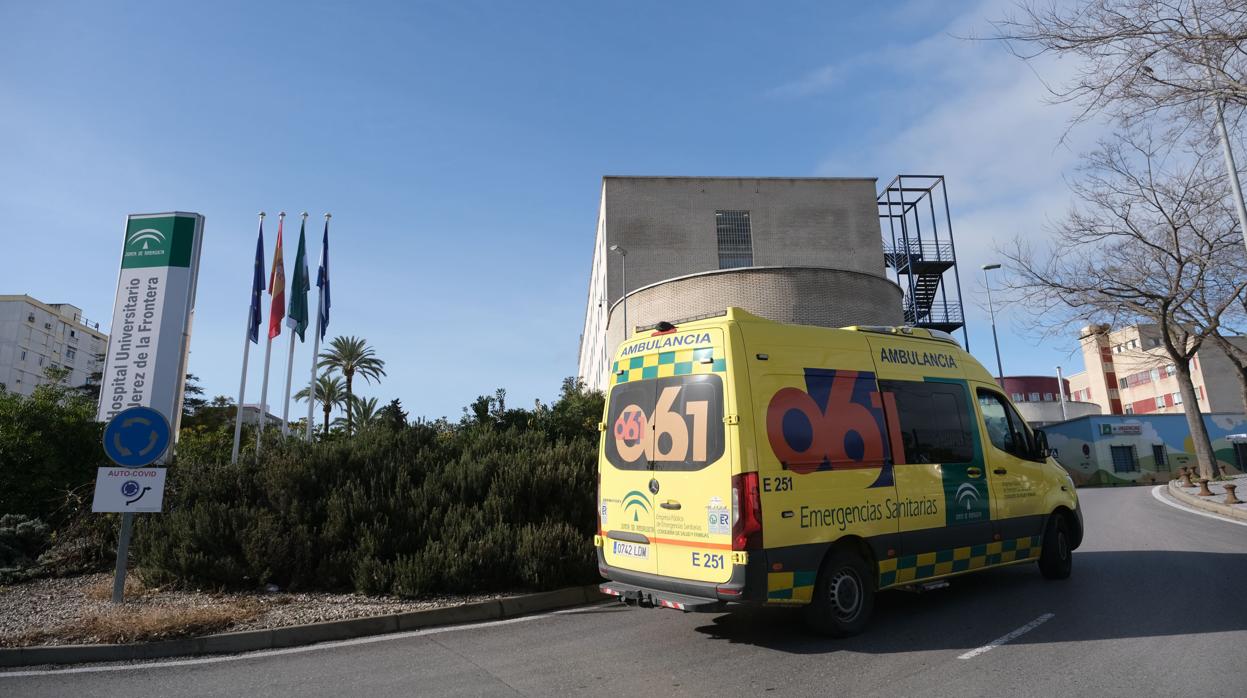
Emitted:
pixel 322 283
pixel 299 288
pixel 277 288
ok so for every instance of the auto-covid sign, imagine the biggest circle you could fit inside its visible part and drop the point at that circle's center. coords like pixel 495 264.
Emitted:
pixel 146 361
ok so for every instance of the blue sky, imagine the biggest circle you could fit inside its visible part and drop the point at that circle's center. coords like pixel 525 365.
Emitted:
pixel 460 147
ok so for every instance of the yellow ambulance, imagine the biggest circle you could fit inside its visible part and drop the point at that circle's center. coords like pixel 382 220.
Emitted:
pixel 747 461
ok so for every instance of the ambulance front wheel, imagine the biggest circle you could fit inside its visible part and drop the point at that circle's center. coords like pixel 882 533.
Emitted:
pixel 1056 559
pixel 844 595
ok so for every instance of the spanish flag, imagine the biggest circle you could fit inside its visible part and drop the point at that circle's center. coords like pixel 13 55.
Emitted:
pixel 277 287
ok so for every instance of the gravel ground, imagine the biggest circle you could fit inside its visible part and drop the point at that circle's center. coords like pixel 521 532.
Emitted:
pixel 50 603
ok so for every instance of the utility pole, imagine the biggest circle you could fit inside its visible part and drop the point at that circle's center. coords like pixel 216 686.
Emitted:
pixel 624 263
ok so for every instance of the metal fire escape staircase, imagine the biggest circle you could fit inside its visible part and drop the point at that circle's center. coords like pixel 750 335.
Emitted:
pixel 920 254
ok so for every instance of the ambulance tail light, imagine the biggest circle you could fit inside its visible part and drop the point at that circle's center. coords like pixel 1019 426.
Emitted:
pixel 746 512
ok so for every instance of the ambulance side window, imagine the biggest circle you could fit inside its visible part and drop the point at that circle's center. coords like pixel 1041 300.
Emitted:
pixel 933 420
pixel 1005 428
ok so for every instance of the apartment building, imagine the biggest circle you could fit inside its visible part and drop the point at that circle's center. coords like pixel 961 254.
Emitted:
pixel 1128 372
pixel 35 336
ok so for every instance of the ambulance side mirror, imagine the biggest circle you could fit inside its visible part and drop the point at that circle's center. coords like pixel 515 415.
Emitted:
pixel 1041 444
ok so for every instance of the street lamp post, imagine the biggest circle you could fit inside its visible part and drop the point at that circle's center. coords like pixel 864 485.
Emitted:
pixel 624 264
pixel 1000 372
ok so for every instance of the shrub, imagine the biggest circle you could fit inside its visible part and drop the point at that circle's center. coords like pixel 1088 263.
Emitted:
pixel 22 539
pixel 49 444
pixel 498 502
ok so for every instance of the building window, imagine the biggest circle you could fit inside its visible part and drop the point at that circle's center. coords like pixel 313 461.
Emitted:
pixel 1124 459
pixel 1170 370
pixel 23 355
pixel 1159 455
pixel 1047 397
pixel 1129 409
pixel 1160 401
pixel 1177 398
pixel 1017 397
pixel 1124 382
pixel 70 354
pixel 735 239
pixel 1034 397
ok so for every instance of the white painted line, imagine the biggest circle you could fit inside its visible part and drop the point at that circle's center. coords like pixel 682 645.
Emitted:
pixel 1156 492
pixel 1007 638
pixel 259 654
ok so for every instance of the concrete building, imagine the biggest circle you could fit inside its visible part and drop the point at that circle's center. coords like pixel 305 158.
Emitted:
pixel 806 251
pixel 1039 402
pixel 1128 372
pixel 35 336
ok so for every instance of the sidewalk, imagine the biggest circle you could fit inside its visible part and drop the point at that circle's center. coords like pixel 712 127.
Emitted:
pixel 1215 503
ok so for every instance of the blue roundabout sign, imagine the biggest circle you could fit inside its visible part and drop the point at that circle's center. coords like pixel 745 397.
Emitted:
pixel 137 437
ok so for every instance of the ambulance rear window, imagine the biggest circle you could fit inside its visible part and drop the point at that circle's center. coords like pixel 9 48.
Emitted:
pixel 672 423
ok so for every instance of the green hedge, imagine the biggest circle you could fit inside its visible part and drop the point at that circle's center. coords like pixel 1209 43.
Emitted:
pixel 492 503
pixel 49 446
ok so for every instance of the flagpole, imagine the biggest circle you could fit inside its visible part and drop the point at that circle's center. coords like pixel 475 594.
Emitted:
pixel 242 382
pixel 320 309
pixel 285 410
pixel 311 386
pixel 268 355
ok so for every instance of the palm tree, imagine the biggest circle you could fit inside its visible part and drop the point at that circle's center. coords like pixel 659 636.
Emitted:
pixel 330 393
pixel 352 355
pixel 363 411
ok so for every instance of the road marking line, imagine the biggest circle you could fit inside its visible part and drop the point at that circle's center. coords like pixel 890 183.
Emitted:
pixel 1007 638
pixel 259 654
pixel 1156 492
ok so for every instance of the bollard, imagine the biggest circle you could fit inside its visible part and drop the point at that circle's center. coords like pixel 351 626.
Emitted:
pixel 1203 488
pixel 1186 478
pixel 1229 494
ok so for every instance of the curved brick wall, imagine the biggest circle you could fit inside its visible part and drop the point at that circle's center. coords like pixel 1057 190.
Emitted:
pixel 797 295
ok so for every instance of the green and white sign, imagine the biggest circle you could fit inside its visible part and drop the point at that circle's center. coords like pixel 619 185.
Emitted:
pixel 150 335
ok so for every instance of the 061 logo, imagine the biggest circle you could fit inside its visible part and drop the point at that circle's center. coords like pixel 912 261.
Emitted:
pixel 836 423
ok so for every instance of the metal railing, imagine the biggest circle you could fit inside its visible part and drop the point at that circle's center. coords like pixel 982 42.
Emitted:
pixel 940 312
pixel 925 251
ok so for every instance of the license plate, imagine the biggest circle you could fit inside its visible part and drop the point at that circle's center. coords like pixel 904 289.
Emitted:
pixel 637 551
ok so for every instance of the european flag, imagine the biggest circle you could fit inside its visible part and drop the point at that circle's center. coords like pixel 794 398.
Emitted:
pixel 257 288
pixel 322 283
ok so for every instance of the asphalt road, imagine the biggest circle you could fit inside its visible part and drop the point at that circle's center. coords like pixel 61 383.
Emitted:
pixel 1156 606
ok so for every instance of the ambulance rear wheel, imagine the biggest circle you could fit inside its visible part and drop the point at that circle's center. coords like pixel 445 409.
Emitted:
pixel 844 595
pixel 1056 559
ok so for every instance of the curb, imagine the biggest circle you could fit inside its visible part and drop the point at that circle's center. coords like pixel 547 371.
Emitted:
pixel 1202 503
pixel 312 633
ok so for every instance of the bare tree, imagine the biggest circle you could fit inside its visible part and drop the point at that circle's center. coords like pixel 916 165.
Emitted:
pixel 1147 240
pixel 1138 57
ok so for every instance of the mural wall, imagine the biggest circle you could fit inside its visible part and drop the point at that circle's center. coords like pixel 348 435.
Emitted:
pixel 1142 449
